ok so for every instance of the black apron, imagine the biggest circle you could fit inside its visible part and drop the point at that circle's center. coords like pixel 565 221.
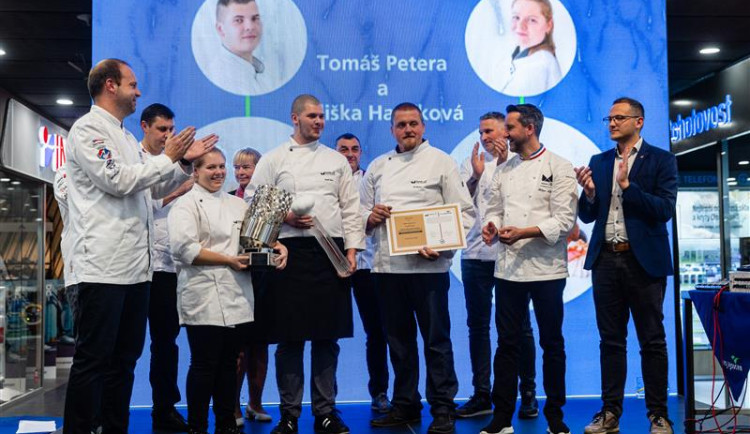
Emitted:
pixel 307 300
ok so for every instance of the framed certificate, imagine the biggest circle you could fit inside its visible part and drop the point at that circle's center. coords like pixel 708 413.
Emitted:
pixel 436 227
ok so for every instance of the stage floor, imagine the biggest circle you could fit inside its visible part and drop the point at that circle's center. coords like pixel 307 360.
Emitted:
pixel 578 413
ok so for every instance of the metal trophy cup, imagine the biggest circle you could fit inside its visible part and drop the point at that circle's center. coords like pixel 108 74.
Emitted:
pixel 263 219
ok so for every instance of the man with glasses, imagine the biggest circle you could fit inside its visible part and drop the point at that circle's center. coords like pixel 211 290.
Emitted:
pixel 629 192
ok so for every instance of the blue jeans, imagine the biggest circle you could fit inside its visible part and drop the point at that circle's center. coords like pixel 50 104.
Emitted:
pixel 479 282
pixel 512 301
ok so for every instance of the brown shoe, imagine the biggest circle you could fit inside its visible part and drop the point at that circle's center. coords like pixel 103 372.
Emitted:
pixel 660 425
pixel 603 422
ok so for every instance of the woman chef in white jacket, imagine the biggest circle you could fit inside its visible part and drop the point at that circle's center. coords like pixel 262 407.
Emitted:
pixel 214 290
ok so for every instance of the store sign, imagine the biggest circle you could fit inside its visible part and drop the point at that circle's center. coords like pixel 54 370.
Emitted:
pixel 51 149
pixel 699 122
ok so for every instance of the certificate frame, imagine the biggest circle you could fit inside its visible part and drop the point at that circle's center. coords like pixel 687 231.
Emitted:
pixel 437 227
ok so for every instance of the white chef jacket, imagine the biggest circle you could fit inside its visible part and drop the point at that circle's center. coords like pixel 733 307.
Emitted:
pixel 364 258
pixel 475 247
pixel 318 171
pixel 538 192
pixel 162 254
pixel 530 75
pixel 110 186
pixel 235 74
pixel 60 188
pixel 422 177
pixel 209 294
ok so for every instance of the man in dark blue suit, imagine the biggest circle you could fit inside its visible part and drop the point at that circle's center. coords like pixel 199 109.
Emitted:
pixel 630 193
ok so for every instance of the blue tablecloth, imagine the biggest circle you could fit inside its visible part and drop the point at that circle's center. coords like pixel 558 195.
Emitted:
pixel 731 340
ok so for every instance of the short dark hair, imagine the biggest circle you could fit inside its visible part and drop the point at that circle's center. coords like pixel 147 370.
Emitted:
pixel 529 115
pixel 492 115
pixel 404 106
pixel 299 103
pixel 633 103
pixel 103 71
pixel 225 3
pixel 346 136
pixel 150 113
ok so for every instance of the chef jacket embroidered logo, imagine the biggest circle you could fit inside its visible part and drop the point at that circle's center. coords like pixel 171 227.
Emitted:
pixel 104 154
pixel 328 175
pixel 546 184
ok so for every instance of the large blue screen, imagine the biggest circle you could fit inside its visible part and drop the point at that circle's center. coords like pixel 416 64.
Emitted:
pixel 361 58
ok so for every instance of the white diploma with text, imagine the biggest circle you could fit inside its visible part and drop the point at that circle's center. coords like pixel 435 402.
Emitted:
pixel 437 227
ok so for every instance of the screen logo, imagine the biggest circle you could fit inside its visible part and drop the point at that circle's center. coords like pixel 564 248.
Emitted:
pixel 699 122
pixel 51 149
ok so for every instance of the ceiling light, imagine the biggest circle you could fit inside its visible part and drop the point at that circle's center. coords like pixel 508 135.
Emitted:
pixel 4 179
pixel 16 182
pixel 681 102
pixel 732 184
pixel 64 101
pixel 709 50
pixel 2 52
pixel 731 179
pixel 32 210
pixel 744 163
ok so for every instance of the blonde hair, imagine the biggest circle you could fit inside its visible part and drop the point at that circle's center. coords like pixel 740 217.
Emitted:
pixel 200 161
pixel 246 154
pixel 548 43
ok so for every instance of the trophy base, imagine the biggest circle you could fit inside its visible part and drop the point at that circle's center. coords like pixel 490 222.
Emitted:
pixel 261 257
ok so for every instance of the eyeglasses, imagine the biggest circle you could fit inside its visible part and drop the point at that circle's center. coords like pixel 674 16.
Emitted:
pixel 617 118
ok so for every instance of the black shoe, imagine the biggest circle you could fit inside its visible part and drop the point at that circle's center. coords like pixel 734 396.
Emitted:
pixel 499 425
pixel 479 404
pixel 168 420
pixel 557 426
pixel 331 423
pixel 442 423
pixel 381 404
pixel 395 418
pixel 529 406
pixel 232 429
pixel 287 425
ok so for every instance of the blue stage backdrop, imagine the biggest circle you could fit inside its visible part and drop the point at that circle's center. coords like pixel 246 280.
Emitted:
pixel 361 58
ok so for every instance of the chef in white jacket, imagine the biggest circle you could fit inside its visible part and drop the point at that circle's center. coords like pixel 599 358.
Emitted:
pixel 308 301
pixel 214 289
pixel 110 187
pixel 533 67
pixel 415 175
pixel 531 210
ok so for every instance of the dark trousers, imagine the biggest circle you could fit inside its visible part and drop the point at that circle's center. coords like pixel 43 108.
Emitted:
pixel 110 332
pixel 622 287
pixel 511 311
pixel 212 373
pixel 402 297
pixel 163 326
pixel 479 282
pixel 290 376
pixel 377 347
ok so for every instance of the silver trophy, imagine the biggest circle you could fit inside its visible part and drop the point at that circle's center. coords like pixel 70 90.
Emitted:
pixel 303 205
pixel 263 219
